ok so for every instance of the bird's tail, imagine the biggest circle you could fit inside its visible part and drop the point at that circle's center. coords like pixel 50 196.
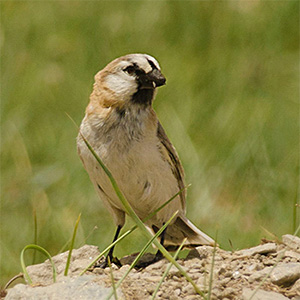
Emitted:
pixel 184 228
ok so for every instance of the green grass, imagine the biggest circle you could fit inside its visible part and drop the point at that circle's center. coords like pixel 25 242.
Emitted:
pixel 230 107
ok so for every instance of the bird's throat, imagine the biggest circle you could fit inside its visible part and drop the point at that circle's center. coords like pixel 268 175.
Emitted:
pixel 143 96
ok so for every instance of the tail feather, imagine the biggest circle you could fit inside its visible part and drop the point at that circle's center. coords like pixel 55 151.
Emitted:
pixel 184 228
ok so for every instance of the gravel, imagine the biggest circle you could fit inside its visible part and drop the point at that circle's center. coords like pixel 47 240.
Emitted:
pixel 268 271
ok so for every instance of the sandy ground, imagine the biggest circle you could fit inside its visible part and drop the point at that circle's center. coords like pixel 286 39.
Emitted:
pixel 268 271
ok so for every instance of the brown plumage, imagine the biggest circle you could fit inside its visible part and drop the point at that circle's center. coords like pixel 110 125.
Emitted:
pixel 123 129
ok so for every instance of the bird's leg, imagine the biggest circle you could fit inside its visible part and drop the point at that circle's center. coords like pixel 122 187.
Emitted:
pixel 159 255
pixel 110 253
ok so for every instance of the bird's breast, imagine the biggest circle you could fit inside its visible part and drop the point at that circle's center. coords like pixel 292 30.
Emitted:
pixel 129 147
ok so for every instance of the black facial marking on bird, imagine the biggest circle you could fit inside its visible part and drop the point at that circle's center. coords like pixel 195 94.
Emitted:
pixel 151 63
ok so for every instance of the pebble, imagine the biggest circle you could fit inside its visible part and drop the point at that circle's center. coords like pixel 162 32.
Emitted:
pixel 291 241
pixel 177 292
pixel 150 288
pixel 135 276
pixel 225 281
pixel 250 269
pixel 228 274
pixel 228 292
pixel 124 269
pixel 84 287
pixel 296 287
pixel 261 295
pixel 261 249
pixel 292 254
pixel 260 274
pixel 222 270
pixel 201 252
pixel 285 274
pixel 153 278
pixel 236 274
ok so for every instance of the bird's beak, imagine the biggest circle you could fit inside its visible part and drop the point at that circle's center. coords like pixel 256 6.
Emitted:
pixel 152 80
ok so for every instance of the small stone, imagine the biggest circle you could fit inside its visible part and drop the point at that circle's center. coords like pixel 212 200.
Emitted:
pixel 222 270
pixel 153 278
pixel 260 274
pixel 124 269
pixel 188 290
pixel 157 266
pixel 83 287
pixel 269 262
pixel 81 258
pixel 261 249
pixel 224 281
pixel 292 241
pixel 296 287
pixel 193 271
pixel 202 283
pixel 177 292
pixel 200 252
pixel 159 293
pixel 236 274
pixel 135 276
pixel 292 254
pixel 194 263
pixel 285 274
pixel 228 274
pixel 174 272
pixel 191 297
pixel 150 288
pixel 250 269
pixel 261 295
pixel 98 271
pixel 228 293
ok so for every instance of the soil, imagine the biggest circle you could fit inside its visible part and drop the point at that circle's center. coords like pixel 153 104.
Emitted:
pixel 268 271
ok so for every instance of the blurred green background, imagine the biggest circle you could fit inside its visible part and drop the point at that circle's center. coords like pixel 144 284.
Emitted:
pixel 230 106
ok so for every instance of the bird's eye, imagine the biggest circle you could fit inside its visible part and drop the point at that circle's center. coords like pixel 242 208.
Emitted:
pixel 129 70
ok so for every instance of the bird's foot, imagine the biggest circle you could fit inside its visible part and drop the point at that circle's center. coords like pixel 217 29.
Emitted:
pixel 104 264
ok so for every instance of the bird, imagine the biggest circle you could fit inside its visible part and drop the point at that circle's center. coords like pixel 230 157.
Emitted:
pixel 123 129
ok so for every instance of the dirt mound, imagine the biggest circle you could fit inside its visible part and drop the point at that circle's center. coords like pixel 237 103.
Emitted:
pixel 268 271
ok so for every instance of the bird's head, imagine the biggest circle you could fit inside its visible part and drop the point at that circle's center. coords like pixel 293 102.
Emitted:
pixel 132 78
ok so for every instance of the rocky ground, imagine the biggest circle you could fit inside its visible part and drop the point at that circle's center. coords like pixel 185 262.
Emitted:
pixel 268 271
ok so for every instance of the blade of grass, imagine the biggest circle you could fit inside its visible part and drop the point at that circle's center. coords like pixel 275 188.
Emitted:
pixel 274 237
pixel 35 235
pixel 297 230
pixel 211 276
pixel 112 279
pixel 62 249
pixel 130 231
pixel 158 233
pixel 296 199
pixel 167 270
pixel 91 232
pixel 72 246
pixel 20 275
pixel 42 250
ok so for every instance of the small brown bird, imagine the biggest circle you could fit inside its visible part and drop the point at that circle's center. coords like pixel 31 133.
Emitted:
pixel 123 129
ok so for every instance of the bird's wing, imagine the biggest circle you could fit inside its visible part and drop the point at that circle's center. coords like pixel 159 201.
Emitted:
pixel 173 159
